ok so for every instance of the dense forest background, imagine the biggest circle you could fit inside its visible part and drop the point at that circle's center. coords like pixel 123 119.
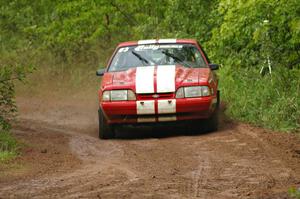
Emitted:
pixel 66 41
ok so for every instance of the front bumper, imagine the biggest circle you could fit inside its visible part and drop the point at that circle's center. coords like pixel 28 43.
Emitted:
pixel 152 111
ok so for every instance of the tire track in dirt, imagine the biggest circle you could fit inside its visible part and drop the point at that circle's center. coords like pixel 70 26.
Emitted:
pixel 96 159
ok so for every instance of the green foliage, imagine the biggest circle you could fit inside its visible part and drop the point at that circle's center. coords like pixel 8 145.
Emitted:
pixel 7 92
pixel 8 146
pixel 240 36
pixel 250 32
pixel 294 193
pixel 178 19
pixel 15 17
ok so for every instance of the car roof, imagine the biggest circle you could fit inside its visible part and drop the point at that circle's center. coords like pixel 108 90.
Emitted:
pixel 157 41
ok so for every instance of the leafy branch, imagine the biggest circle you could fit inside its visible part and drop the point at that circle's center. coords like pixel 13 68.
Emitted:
pixel 8 106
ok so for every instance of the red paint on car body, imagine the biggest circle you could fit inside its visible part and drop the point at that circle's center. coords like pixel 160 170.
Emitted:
pixel 186 108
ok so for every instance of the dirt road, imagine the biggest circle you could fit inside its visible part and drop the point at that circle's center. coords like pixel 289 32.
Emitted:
pixel 238 161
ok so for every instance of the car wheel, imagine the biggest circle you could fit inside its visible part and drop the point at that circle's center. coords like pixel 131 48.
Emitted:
pixel 106 131
pixel 213 122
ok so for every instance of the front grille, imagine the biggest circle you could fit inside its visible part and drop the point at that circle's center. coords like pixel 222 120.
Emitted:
pixel 155 96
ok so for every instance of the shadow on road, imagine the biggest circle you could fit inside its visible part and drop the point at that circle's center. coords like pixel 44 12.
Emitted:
pixel 171 130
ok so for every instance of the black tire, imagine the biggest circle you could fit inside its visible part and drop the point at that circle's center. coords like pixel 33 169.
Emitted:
pixel 106 131
pixel 206 125
pixel 213 122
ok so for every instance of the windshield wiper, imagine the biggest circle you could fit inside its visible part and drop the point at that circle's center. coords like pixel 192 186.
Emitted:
pixel 140 57
pixel 176 58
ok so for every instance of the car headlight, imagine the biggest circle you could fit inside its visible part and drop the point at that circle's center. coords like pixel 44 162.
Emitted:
pixel 193 91
pixel 118 95
pixel 106 96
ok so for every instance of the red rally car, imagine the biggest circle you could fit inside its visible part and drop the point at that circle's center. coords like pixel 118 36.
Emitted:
pixel 156 81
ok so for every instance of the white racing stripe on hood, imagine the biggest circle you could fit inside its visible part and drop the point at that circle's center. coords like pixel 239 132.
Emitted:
pixel 165 79
pixel 166 41
pixel 150 41
pixel 144 80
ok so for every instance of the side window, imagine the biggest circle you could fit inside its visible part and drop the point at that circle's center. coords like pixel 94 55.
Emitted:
pixel 205 54
pixel 198 57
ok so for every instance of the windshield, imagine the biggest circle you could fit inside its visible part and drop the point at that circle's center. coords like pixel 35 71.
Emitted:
pixel 157 54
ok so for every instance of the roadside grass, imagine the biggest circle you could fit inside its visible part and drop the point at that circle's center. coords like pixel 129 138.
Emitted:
pixel 294 193
pixel 55 78
pixel 9 146
pixel 272 101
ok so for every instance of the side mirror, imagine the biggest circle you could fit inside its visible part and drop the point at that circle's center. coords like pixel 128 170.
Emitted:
pixel 214 66
pixel 100 72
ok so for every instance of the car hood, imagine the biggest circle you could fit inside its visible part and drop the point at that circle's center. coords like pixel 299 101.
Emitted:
pixel 155 79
